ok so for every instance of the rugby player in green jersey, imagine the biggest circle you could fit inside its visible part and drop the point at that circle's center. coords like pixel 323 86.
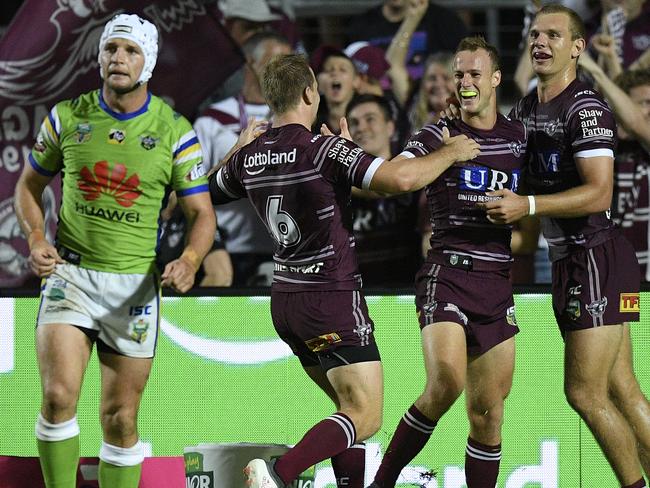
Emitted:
pixel 120 151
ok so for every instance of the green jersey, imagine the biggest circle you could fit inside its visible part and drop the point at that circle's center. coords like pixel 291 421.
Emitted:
pixel 117 169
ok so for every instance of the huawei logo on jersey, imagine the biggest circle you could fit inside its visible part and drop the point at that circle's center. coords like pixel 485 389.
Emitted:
pixel 114 183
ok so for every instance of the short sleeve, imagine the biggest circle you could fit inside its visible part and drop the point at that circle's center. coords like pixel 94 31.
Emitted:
pixel 340 159
pixel 592 127
pixel 46 156
pixel 188 174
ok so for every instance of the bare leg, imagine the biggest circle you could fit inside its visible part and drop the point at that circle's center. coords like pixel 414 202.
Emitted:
pixel 630 400
pixel 445 359
pixel 489 379
pixel 123 382
pixel 61 371
pixel 589 358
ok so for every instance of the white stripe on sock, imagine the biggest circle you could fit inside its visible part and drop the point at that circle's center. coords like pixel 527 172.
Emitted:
pixel 416 424
pixel 481 454
pixel 347 427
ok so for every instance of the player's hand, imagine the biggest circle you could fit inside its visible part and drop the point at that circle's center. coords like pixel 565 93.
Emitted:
pixel 253 130
pixel 179 275
pixel 452 111
pixel 462 147
pixel 507 208
pixel 43 258
pixel 345 131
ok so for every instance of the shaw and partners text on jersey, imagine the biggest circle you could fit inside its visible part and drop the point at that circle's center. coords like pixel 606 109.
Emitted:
pixel 589 124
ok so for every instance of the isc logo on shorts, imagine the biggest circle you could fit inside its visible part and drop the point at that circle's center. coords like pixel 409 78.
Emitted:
pixel 630 302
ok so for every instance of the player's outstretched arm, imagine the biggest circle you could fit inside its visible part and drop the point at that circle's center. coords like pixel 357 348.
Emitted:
pixel 28 204
pixel 403 175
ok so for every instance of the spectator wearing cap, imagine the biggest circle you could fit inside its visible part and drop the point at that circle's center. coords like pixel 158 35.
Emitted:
pixel 372 68
pixel 440 29
pixel 338 82
pixel 243 19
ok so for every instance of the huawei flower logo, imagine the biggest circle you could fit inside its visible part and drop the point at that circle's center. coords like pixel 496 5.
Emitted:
pixel 114 183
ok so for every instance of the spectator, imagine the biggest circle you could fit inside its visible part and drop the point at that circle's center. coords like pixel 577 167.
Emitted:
pixel 372 66
pixel 384 228
pixel 624 27
pixel 435 87
pixel 245 237
pixel 216 268
pixel 338 81
pixel 441 29
pixel 243 19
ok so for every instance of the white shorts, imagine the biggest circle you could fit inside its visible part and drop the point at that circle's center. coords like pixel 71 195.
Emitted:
pixel 124 309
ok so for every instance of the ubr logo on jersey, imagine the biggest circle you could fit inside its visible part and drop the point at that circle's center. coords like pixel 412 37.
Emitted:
pixel 269 158
pixel 480 178
pixel 114 183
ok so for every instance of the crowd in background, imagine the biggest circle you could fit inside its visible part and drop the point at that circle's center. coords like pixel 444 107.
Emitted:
pixel 389 72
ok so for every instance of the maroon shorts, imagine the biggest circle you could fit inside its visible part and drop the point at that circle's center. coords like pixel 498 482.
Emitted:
pixel 330 328
pixel 480 301
pixel 597 286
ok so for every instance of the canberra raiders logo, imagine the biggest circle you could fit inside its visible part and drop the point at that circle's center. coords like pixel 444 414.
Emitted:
pixel 148 142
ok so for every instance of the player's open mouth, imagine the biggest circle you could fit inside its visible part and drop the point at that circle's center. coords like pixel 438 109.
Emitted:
pixel 540 56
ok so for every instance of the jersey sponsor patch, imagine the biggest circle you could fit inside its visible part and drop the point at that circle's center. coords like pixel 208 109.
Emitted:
pixel 630 302
pixel 590 123
pixel 83 133
pixel 148 142
pixel 110 181
pixel 116 136
pixel 197 172
pixel 322 342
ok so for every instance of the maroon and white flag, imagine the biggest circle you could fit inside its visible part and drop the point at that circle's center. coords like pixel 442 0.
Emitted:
pixel 49 53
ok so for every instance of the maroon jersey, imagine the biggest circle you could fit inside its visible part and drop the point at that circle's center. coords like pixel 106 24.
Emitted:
pixel 576 123
pixel 459 228
pixel 631 202
pixel 299 184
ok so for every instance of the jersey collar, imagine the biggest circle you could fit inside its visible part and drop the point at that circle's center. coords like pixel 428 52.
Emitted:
pixel 123 116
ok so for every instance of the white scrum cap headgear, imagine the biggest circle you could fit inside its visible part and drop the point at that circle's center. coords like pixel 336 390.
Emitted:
pixel 138 30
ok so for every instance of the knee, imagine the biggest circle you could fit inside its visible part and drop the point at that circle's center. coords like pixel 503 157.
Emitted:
pixel 59 401
pixel 367 419
pixel 583 397
pixel 486 417
pixel 119 421
pixel 442 391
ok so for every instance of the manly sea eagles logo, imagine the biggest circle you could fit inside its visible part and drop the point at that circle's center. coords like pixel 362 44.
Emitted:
pixel 551 126
pixel 516 148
